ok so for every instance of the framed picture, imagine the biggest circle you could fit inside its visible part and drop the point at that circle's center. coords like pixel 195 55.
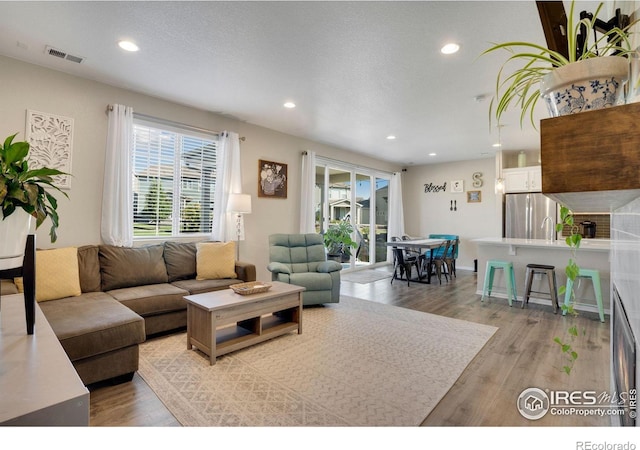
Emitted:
pixel 272 179
pixel 474 196
pixel 457 186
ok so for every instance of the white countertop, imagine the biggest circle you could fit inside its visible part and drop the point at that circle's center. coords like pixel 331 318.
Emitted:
pixel 602 245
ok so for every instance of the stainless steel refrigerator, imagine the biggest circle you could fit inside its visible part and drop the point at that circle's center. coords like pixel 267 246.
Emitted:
pixel 525 213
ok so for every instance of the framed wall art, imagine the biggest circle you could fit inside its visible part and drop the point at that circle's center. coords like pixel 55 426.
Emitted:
pixel 474 196
pixel 457 186
pixel 50 138
pixel 272 179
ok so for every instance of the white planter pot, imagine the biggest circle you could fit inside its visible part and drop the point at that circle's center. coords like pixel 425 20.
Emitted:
pixel 13 237
pixel 585 85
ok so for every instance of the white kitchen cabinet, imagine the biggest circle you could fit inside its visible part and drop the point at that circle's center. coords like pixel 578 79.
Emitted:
pixel 523 179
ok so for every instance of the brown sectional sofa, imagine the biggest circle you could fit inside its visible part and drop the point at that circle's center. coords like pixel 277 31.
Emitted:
pixel 128 294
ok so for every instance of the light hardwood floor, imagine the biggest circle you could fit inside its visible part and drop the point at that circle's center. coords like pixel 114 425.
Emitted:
pixel 520 355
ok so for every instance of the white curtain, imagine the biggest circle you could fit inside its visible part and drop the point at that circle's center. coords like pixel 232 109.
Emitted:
pixel 396 211
pixel 228 181
pixel 307 193
pixel 117 205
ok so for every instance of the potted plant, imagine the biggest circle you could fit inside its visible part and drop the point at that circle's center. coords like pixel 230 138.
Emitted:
pixel 591 77
pixel 23 190
pixel 338 242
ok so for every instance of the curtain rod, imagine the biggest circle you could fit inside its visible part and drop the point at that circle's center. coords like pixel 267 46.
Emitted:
pixel 174 124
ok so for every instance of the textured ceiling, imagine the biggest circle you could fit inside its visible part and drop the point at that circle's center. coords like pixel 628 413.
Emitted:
pixel 358 71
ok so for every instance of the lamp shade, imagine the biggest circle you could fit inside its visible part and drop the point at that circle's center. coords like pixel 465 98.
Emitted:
pixel 239 203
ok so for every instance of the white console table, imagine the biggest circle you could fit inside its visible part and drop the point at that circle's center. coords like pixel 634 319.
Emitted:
pixel 38 384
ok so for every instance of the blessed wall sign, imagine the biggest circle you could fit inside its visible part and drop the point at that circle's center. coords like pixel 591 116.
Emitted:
pixel 430 187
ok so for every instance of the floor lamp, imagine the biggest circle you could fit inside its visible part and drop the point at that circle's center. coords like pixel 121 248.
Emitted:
pixel 239 204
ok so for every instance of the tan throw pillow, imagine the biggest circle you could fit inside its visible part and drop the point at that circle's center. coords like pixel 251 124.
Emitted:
pixel 57 274
pixel 215 260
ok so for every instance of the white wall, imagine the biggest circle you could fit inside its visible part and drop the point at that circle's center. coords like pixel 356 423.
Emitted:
pixel 427 213
pixel 25 86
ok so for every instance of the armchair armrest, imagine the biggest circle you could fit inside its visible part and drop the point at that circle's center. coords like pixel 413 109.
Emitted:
pixel 329 266
pixel 277 267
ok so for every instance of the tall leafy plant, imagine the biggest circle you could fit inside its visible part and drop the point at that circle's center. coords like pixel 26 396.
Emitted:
pixel 21 187
pixel 519 87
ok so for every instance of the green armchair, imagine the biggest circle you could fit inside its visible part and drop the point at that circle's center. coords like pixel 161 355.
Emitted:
pixel 300 259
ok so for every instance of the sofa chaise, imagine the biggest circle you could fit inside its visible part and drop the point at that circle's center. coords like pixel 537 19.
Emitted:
pixel 122 295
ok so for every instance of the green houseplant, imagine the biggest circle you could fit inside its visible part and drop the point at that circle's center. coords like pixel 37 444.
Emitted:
pixel 26 189
pixel 338 242
pixel 519 78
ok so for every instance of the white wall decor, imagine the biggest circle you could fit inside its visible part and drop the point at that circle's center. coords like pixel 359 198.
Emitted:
pixel 457 186
pixel 51 141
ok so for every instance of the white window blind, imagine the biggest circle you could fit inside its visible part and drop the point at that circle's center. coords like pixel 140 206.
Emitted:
pixel 174 180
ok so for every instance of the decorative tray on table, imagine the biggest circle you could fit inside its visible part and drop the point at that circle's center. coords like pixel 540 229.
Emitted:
pixel 252 287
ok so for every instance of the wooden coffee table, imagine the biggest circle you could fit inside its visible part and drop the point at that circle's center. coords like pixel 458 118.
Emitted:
pixel 222 321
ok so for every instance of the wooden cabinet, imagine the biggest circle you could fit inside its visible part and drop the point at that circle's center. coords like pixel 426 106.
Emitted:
pixel 522 179
pixel 590 160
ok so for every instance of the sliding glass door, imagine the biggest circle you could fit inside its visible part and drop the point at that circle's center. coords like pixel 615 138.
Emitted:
pixel 356 196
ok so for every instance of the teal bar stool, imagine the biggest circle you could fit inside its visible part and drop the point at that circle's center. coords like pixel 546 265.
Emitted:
pixel 594 276
pixel 509 276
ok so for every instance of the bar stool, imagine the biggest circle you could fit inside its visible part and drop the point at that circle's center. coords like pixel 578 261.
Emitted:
pixel 550 272
pixel 594 276
pixel 509 276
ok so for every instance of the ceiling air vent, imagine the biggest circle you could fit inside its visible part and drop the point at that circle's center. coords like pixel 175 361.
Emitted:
pixel 62 55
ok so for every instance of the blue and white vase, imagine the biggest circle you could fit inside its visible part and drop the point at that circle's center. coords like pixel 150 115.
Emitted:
pixel 585 85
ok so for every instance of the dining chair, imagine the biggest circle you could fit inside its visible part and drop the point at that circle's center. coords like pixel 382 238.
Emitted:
pixel 450 257
pixel 440 261
pixel 403 263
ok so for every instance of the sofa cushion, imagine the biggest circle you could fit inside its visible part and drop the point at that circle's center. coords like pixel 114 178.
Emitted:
pixel 57 274
pixel 201 286
pixel 123 267
pixel 92 324
pixel 180 259
pixel 151 299
pixel 89 266
pixel 215 260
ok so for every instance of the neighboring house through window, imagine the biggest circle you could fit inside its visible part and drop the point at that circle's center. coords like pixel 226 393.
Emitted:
pixel 174 179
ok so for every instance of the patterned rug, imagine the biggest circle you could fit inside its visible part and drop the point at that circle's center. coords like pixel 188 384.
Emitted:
pixel 365 276
pixel 357 363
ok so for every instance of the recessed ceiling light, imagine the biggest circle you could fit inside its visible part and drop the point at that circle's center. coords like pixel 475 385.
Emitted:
pixel 128 46
pixel 391 137
pixel 432 154
pixel 450 49
pixel 289 105
pixel 497 144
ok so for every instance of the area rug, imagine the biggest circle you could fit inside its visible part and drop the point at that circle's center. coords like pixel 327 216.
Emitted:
pixel 357 363
pixel 365 276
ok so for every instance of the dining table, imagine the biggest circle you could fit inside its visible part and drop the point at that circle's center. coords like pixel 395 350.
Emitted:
pixel 419 244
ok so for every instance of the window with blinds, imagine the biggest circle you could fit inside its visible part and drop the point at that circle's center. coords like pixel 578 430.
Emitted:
pixel 174 179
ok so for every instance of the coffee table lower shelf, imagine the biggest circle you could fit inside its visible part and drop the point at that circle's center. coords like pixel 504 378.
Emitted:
pixel 222 321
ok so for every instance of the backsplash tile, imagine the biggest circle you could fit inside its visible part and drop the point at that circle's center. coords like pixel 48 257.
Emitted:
pixel 602 221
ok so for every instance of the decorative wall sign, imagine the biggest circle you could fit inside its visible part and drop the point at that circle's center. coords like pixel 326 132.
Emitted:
pixel 477 179
pixel 474 196
pixel 457 186
pixel 272 179
pixel 51 141
pixel 430 187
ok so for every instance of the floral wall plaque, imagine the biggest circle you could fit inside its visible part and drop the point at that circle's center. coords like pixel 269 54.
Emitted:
pixel 51 141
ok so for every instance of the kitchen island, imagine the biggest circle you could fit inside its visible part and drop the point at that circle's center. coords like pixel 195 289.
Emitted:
pixel 592 254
